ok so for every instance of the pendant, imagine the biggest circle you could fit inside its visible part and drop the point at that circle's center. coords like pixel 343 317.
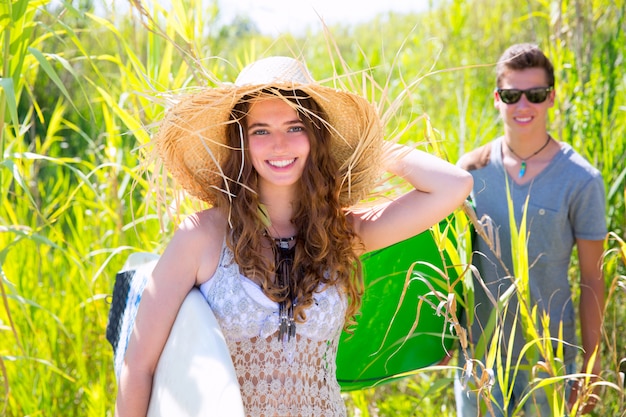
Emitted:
pixel 522 169
pixel 287 327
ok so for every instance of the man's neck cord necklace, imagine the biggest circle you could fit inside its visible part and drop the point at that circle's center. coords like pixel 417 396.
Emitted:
pixel 523 164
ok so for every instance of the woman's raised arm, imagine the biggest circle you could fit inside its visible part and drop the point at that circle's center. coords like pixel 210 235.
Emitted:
pixel 439 188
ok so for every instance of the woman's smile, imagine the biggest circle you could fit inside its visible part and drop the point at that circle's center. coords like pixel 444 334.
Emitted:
pixel 282 163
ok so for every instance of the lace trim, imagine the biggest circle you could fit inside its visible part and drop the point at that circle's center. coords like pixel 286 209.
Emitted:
pixel 272 385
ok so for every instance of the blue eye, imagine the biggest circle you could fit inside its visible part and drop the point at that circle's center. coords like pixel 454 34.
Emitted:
pixel 259 132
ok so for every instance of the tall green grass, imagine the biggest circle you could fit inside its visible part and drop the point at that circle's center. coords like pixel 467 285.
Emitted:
pixel 80 93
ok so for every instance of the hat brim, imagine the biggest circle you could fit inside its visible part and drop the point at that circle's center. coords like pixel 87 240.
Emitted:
pixel 191 138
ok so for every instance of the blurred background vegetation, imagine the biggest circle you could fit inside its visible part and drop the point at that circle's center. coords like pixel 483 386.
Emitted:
pixel 82 85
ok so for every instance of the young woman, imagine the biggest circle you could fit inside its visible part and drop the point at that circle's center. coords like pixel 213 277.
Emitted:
pixel 280 159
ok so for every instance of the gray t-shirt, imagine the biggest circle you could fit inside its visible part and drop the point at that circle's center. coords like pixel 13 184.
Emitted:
pixel 566 202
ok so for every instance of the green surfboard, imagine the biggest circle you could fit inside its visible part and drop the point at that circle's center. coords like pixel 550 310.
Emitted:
pixel 395 332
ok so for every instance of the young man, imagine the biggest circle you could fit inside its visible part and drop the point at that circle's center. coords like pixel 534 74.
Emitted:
pixel 566 208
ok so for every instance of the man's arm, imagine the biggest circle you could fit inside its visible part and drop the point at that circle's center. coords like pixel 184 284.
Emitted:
pixel 591 307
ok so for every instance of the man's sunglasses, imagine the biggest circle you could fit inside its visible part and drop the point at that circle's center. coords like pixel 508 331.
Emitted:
pixel 534 95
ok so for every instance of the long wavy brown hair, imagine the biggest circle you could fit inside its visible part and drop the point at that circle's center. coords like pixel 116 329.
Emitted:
pixel 325 249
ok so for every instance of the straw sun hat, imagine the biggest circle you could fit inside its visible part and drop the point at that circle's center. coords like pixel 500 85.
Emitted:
pixel 191 140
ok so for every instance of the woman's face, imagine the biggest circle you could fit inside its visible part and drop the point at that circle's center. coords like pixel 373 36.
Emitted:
pixel 278 142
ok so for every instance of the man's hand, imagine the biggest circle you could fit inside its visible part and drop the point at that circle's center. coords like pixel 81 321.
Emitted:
pixel 587 390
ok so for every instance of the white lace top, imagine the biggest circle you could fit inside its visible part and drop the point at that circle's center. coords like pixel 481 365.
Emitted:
pixel 297 378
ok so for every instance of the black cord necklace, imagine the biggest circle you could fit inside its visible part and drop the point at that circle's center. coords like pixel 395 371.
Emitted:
pixel 284 269
pixel 523 164
pixel 283 242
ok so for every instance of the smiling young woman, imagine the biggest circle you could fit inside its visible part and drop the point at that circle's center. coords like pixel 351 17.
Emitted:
pixel 281 160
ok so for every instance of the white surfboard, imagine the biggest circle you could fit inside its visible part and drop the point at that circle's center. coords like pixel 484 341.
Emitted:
pixel 195 375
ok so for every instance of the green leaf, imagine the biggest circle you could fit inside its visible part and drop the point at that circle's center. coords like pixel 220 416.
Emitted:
pixel 9 94
pixel 51 73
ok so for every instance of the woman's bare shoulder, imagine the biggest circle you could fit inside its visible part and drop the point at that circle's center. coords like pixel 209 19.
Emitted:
pixel 209 220
pixel 201 237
